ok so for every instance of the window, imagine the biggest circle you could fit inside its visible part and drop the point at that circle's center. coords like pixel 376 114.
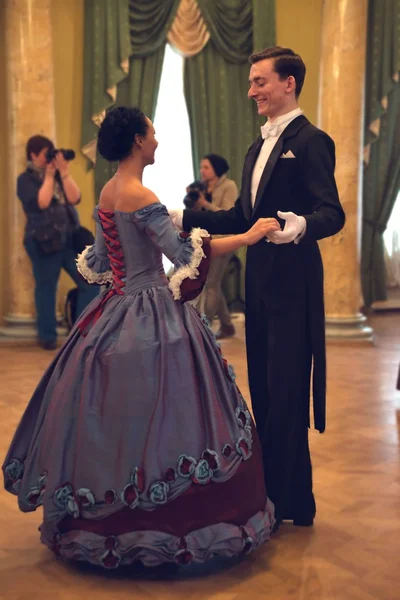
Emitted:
pixel 173 168
pixel 392 246
pixel 393 227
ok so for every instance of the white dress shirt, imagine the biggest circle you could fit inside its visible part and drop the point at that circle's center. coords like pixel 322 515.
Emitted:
pixel 270 133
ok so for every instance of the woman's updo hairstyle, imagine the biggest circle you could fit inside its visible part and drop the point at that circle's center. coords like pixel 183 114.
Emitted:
pixel 117 132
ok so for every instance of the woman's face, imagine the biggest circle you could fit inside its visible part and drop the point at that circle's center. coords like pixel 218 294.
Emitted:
pixel 148 144
pixel 207 172
pixel 39 160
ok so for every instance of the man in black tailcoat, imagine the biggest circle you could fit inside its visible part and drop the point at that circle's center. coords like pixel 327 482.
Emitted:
pixel 288 174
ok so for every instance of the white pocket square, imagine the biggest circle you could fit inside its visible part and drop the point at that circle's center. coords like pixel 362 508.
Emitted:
pixel 289 154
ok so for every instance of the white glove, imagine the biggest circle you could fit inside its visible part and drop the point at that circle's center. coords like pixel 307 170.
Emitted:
pixel 177 218
pixel 294 229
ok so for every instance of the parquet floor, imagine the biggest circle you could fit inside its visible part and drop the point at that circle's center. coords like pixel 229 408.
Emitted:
pixel 353 551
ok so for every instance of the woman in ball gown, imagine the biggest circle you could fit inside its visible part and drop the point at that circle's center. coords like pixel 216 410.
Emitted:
pixel 137 441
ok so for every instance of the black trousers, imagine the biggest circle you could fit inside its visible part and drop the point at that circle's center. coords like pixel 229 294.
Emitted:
pixel 279 366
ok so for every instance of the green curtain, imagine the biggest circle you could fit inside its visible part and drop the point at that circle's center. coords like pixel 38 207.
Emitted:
pixel 382 140
pixel 107 50
pixel 124 55
pixel 264 24
pixel 230 25
pixel 222 119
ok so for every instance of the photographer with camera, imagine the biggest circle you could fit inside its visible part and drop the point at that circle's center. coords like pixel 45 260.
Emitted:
pixel 49 194
pixel 214 192
pixel 193 193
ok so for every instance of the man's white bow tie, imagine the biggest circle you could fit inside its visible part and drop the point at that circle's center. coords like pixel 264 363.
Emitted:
pixel 269 130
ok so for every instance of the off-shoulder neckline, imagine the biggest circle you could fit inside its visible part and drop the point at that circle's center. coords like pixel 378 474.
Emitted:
pixel 132 212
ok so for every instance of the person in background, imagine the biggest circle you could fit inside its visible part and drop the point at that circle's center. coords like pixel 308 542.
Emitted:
pixel 49 194
pixel 221 194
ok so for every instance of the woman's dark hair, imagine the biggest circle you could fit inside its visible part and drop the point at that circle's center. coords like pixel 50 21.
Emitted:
pixel 218 163
pixel 286 63
pixel 36 144
pixel 117 132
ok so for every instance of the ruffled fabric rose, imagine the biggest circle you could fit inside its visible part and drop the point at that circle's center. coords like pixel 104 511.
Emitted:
pixel 243 417
pixel 64 499
pixel 85 498
pixel 158 492
pixel 186 465
pixel 243 448
pixel 110 559
pixel 170 475
pixel 110 497
pixel 36 493
pixel 202 473
pixel 62 494
pixel 14 470
pixel 35 497
pixel 212 458
pixel 13 473
pixel 227 450
pixel 130 496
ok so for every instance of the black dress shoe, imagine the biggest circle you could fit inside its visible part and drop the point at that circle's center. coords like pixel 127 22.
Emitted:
pixel 48 344
pixel 300 520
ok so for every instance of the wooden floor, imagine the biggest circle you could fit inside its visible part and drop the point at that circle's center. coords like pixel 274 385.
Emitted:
pixel 353 551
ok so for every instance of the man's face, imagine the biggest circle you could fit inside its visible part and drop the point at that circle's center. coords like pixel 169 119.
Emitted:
pixel 269 92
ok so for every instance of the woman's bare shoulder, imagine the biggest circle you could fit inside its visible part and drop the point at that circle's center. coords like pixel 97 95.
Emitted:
pixel 129 197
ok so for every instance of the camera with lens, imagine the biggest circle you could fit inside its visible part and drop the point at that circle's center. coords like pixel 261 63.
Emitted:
pixel 195 189
pixel 68 154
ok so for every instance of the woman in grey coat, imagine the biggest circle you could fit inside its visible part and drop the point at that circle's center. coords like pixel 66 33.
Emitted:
pixel 222 194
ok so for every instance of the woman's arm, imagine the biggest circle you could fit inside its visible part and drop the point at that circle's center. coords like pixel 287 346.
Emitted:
pixel 71 190
pixel 46 191
pixel 259 230
pixel 190 253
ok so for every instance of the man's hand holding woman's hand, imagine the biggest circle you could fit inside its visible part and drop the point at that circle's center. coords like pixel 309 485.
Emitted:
pixel 261 229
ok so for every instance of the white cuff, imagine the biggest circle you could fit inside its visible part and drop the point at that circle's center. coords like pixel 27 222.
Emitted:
pixel 300 236
pixel 190 270
pixel 177 218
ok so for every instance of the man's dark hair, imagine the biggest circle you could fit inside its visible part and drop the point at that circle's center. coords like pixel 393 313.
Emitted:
pixel 36 144
pixel 286 63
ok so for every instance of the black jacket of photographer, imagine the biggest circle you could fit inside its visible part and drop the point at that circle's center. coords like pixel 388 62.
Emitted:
pixel 60 214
